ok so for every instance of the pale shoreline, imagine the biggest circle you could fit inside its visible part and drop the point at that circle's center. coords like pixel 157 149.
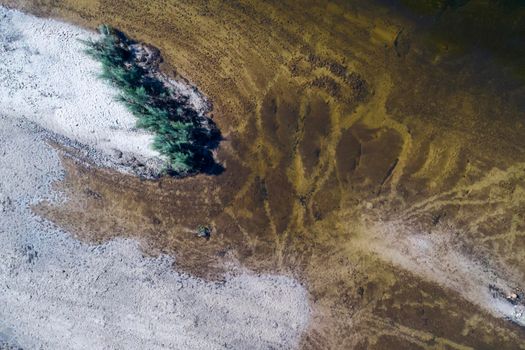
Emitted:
pixel 47 78
pixel 56 292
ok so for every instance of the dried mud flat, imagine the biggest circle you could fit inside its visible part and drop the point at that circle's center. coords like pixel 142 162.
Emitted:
pixel 386 175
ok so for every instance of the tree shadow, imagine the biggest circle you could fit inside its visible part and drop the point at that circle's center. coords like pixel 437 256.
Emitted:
pixel 186 136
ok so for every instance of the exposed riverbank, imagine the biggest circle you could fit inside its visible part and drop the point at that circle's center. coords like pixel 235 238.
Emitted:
pixel 56 292
pixel 48 78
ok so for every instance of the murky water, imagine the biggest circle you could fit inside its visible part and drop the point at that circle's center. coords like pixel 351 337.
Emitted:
pixel 337 117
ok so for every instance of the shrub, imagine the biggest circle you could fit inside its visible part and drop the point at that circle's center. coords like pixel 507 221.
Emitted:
pixel 178 134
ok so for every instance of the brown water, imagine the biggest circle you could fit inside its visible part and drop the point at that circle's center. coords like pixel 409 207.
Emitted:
pixel 336 117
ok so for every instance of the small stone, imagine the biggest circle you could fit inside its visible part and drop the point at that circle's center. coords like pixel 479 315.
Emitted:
pixel 204 232
pixel 118 154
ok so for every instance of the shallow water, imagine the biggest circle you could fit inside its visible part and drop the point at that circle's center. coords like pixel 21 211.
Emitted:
pixel 337 117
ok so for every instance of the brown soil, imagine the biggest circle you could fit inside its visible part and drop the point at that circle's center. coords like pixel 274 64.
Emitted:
pixel 327 127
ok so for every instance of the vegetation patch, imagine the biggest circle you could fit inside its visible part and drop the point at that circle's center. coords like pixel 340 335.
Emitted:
pixel 183 134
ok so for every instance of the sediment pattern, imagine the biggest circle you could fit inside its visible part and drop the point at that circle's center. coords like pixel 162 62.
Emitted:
pixel 353 144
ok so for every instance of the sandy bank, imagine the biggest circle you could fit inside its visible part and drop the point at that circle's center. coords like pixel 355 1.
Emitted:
pixel 47 78
pixel 436 258
pixel 57 293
